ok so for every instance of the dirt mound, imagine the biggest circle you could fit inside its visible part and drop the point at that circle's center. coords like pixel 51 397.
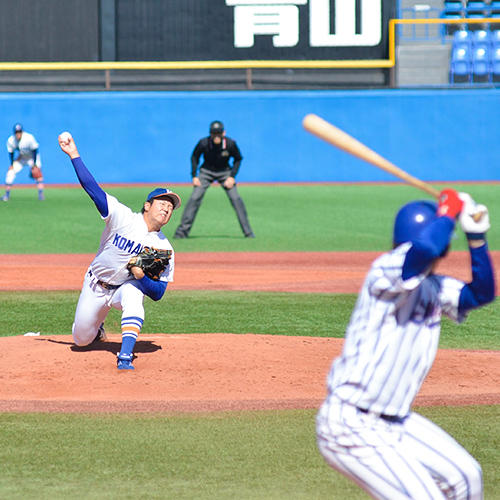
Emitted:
pixel 206 372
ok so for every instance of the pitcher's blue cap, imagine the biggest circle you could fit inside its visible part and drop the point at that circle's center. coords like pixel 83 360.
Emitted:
pixel 160 192
pixel 18 128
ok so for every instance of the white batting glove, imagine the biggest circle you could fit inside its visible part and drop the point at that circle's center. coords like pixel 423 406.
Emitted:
pixel 474 218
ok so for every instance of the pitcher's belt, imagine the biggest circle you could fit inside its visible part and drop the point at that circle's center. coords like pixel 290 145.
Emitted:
pixel 105 285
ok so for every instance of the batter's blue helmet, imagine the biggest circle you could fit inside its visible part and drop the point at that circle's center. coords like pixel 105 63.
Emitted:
pixel 412 218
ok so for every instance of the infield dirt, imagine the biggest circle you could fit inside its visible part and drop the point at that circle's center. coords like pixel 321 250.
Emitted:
pixel 206 372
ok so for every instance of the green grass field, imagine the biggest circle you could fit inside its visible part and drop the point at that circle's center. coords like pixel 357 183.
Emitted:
pixel 284 218
pixel 232 455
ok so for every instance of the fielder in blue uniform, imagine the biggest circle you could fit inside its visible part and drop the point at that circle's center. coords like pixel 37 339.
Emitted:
pixel 365 428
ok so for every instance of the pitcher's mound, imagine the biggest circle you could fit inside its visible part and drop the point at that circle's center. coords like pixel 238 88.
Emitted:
pixel 207 372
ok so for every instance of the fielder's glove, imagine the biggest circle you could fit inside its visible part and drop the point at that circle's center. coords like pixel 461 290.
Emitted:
pixel 152 261
pixel 474 218
pixel 36 172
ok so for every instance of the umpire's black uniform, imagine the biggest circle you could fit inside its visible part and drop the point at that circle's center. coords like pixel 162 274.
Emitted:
pixel 215 167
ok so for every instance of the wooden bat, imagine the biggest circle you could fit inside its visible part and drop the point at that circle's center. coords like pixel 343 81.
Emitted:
pixel 329 133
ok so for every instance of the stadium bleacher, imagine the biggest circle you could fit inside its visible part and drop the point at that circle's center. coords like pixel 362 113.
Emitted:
pixel 475 56
pixel 468 9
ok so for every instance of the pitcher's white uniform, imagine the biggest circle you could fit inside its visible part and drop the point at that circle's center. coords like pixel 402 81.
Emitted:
pixel 25 148
pixel 365 427
pixel 107 282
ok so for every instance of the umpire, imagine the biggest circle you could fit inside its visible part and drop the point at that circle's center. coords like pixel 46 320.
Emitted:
pixel 217 150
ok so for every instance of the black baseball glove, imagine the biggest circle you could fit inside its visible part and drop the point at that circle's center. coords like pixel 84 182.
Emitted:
pixel 152 261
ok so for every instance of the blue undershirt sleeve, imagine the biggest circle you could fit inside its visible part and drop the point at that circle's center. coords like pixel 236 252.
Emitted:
pixel 153 289
pixel 35 153
pixel 431 244
pixel 91 187
pixel 481 289
pixel 11 157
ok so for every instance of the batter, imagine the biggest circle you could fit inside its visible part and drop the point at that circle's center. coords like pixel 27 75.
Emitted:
pixel 365 427
pixel 108 282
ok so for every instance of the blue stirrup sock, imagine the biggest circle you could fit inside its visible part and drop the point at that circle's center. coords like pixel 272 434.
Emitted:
pixel 131 326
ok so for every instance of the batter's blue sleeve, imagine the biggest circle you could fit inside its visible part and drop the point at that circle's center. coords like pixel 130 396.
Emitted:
pixel 153 289
pixel 91 187
pixel 481 289
pixel 431 244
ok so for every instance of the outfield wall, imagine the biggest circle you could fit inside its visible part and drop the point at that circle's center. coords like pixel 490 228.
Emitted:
pixel 149 136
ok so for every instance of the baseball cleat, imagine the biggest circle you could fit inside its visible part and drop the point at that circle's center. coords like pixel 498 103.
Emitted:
pixel 124 361
pixel 101 335
pixel 5 198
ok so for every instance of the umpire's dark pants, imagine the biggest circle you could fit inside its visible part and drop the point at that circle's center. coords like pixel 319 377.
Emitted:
pixel 206 178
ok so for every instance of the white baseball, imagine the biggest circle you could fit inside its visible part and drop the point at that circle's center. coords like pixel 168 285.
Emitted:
pixel 65 137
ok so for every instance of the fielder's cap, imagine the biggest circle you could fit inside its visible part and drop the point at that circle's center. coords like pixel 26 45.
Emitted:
pixel 216 127
pixel 163 192
pixel 18 128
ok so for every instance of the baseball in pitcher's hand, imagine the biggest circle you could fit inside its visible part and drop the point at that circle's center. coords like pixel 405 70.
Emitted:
pixel 196 182
pixel 69 147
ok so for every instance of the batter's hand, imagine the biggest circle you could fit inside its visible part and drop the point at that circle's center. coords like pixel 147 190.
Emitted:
pixel 69 147
pixel 229 182
pixel 474 218
pixel 196 182
pixel 449 203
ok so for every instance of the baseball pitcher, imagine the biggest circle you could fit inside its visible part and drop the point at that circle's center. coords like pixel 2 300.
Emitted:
pixel 134 260
pixel 365 427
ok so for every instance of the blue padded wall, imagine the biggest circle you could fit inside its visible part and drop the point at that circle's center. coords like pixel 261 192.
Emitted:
pixel 149 136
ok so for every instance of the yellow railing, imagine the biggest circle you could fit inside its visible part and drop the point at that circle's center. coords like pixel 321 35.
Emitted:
pixel 247 64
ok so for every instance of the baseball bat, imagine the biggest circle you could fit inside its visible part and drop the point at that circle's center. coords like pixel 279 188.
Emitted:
pixel 329 133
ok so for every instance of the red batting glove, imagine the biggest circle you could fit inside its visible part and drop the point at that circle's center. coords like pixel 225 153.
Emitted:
pixel 449 203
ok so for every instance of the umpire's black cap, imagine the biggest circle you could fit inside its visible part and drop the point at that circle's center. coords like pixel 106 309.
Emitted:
pixel 216 127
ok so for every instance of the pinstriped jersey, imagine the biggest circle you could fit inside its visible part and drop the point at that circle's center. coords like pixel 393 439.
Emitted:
pixel 392 337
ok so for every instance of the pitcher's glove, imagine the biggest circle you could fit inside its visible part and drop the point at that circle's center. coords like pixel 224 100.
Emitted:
pixel 152 261
pixel 36 172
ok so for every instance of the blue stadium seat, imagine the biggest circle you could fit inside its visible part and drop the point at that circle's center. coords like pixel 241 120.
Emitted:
pixel 450 28
pixel 480 65
pixel 494 8
pixel 452 9
pixel 481 39
pixel 476 9
pixel 495 38
pixel 460 66
pixel 495 64
pixel 475 6
pixel 462 39
pixel 453 6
